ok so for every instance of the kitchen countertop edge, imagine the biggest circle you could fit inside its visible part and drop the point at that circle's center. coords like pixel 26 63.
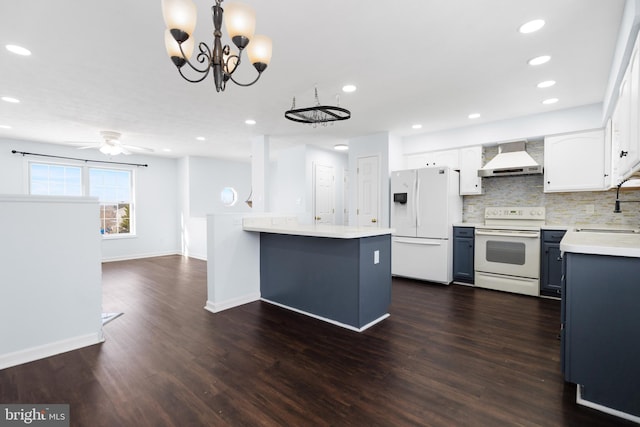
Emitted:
pixel 320 230
pixel 613 244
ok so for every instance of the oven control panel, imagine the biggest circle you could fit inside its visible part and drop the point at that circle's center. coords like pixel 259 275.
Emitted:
pixel 523 213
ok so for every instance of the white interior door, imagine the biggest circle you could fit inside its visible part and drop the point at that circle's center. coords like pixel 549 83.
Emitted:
pixel 368 191
pixel 324 195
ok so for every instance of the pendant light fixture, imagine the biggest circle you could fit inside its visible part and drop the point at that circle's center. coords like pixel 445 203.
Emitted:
pixel 322 114
pixel 221 61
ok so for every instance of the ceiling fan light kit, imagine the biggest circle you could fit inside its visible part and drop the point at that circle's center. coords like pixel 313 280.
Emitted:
pixel 221 61
pixel 322 114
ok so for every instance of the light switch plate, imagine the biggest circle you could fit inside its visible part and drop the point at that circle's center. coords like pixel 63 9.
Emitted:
pixel 376 257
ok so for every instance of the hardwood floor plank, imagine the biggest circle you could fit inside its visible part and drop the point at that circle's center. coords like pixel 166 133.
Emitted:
pixel 448 355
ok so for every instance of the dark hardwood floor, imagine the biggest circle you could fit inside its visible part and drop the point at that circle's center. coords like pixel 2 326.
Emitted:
pixel 447 356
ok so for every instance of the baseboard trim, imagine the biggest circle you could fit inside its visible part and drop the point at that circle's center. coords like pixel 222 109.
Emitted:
pixel 324 319
pixel 602 408
pixel 47 350
pixel 216 307
pixel 140 256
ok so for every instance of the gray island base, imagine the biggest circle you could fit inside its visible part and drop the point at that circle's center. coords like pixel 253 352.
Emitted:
pixel 341 275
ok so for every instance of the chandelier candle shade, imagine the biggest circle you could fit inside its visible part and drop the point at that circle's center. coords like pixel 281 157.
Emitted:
pixel 221 61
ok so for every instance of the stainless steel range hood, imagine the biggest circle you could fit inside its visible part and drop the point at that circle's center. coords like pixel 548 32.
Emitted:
pixel 512 159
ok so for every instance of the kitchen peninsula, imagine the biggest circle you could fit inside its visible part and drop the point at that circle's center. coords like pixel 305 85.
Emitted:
pixel 338 274
pixel 600 318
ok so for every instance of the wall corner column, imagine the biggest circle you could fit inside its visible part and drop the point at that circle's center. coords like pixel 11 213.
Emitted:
pixel 260 172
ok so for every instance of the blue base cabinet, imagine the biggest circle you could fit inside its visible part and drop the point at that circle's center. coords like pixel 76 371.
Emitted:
pixel 341 280
pixel 601 329
pixel 463 248
pixel 551 263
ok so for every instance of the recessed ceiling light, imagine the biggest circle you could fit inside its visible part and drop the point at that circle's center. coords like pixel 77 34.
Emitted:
pixel 349 88
pixel 546 83
pixel 474 116
pixel 10 99
pixel 417 126
pixel 531 26
pixel 250 122
pixel 539 60
pixel 341 147
pixel 201 138
pixel 5 127
pixel 550 101
pixel 166 150
pixel 18 50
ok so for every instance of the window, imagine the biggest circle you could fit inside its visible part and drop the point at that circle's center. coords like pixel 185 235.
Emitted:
pixel 112 187
pixel 56 180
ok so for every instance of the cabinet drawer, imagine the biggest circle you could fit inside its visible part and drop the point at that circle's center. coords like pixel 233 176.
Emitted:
pixel 553 236
pixel 463 231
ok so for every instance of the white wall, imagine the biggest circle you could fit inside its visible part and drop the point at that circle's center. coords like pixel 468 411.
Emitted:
pixel 156 188
pixel 201 180
pixel 286 194
pixel 207 178
pixel 233 263
pixel 528 127
pixel 50 279
pixel 364 146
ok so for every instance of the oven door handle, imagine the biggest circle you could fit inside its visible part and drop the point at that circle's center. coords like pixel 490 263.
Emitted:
pixel 501 233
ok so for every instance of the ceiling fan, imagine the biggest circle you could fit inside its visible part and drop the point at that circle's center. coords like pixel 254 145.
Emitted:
pixel 112 146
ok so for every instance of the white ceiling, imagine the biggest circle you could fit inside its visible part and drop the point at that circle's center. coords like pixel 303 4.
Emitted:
pixel 101 65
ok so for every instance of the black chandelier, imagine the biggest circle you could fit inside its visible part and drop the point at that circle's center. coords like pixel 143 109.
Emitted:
pixel 239 20
pixel 318 113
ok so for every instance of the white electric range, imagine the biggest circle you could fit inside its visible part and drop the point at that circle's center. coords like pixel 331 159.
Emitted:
pixel 507 249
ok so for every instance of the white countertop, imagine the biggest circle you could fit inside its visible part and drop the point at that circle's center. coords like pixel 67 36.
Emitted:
pixel 289 226
pixel 601 243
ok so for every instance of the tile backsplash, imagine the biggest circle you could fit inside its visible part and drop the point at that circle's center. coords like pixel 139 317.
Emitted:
pixel 584 207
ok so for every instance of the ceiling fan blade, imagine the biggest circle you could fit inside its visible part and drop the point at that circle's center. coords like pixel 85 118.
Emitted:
pixel 135 148
pixel 83 145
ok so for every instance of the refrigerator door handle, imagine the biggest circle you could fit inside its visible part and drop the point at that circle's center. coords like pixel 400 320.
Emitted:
pixel 417 199
pixel 414 241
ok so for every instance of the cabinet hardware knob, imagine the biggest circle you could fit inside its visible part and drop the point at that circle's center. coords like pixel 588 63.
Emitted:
pixel 374 220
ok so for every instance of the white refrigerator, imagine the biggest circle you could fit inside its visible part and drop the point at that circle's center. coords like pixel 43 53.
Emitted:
pixel 425 203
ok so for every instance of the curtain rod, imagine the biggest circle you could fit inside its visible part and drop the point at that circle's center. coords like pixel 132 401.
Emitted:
pixel 24 153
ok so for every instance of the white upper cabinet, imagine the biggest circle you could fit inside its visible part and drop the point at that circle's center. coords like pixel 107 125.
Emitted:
pixel 433 158
pixel 448 158
pixel 625 121
pixel 575 162
pixel 467 160
pixel 470 162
